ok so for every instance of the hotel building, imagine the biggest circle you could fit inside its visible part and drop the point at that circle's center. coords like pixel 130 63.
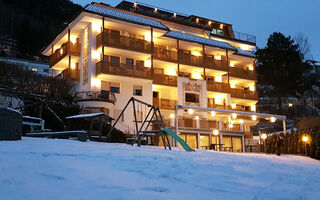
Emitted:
pixel 163 58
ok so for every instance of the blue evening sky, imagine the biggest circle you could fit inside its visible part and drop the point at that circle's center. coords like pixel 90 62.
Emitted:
pixel 256 17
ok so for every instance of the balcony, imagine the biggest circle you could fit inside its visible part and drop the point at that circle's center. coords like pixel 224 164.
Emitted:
pixel 165 55
pixel 161 79
pixel 122 69
pixel 66 75
pixel 123 42
pixel 102 95
pixel 188 59
pixel 244 37
pixel 164 103
pixel 243 73
pixel 244 94
pixel 218 87
pixel 67 48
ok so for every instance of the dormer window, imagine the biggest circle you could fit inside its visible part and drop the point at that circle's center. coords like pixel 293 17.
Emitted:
pixel 217 32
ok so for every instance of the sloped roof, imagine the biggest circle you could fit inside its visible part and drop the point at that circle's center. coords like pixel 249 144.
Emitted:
pixel 198 39
pixel 245 53
pixel 116 14
pixel 90 115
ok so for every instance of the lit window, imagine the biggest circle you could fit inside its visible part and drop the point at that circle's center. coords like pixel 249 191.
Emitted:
pixel 34 69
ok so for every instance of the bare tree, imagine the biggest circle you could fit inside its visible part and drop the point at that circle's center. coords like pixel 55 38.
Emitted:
pixel 304 46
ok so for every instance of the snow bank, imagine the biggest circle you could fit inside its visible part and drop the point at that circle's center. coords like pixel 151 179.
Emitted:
pixel 37 168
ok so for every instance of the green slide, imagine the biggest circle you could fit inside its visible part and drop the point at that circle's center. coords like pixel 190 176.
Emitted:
pixel 177 138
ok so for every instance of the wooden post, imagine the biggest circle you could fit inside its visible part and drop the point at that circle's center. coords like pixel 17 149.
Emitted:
pixel 69 67
pixel 152 50
pixel 103 38
pixel 100 128
pixel 203 60
pixel 228 65
pixel 178 56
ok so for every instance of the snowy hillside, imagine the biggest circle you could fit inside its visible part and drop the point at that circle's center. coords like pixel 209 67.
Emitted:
pixel 66 169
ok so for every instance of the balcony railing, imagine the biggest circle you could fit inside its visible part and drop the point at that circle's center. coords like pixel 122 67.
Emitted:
pixel 243 73
pixel 124 42
pixel 73 76
pixel 245 37
pixel 102 95
pixel 165 55
pixel 188 59
pixel 122 69
pixel 244 94
pixel 67 48
pixel 164 103
pixel 162 79
pixel 218 87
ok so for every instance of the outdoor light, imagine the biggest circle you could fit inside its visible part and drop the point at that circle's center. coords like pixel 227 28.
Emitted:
pixel 174 14
pixel 273 119
pixel 244 47
pixel 171 116
pixel 147 36
pixel 135 5
pixel 254 117
pixel 231 64
pixel 155 9
pixel 215 132
pixel 213 113
pixel 72 65
pixel 96 83
pixel 217 57
pixel 241 121
pixel 197 117
pixel 209 23
pixel 305 139
pixel 252 88
pixel 73 39
pixel 233 85
pixel 96 27
pixel 197 20
pixel 233 106
pixel 196 75
pixel 96 55
pixel 171 72
pixel 190 111
pixel 290 104
pixel 251 68
pixel 61 51
pixel 234 115
pixel 253 108
pixel 221 26
pixel 196 53
pixel 218 79
pixel 264 136
pixel 147 63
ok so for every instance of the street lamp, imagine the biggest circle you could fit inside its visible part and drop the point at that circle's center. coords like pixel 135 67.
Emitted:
pixel 264 137
pixel 305 140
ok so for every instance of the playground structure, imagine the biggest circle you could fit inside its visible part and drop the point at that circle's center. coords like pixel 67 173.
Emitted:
pixel 151 125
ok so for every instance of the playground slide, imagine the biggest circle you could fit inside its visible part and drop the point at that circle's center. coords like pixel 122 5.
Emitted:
pixel 177 138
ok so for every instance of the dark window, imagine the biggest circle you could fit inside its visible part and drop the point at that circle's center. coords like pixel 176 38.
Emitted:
pixel 129 61
pixel 155 94
pixel 140 63
pixel 137 90
pixel 114 89
pixel 115 59
pixel 193 98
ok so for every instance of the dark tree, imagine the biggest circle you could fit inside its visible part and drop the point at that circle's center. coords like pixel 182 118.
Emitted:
pixel 280 67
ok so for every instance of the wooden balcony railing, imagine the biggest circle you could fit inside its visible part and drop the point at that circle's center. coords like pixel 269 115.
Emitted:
pixel 244 94
pixel 212 63
pixel 67 48
pixel 243 73
pixel 218 87
pixel 124 42
pixel 188 59
pixel 122 69
pixel 165 55
pixel 102 95
pixel 164 103
pixel 72 75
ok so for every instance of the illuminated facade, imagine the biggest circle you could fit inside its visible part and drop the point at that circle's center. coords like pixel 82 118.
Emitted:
pixel 163 58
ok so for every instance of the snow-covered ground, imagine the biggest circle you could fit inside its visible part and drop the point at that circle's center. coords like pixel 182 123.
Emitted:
pixel 37 168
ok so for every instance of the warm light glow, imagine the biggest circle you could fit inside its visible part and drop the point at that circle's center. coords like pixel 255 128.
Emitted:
pixel 252 88
pixel 209 23
pixel 244 47
pixel 233 106
pixel 135 5
pixel 155 9
pixel 231 125
pixel 197 117
pixel 72 65
pixel 218 79
pixel 218 99
pixel 147 36
pixel 217 57
pixel 215 132
pixel 251 68
pixel 264 136
pixel 273 119
pixel 221 26
pixel 234 115
pixel 96 83
pixel 61 51
pixel 171 116
pixel 290 104
pixel 96 27
pixel 231 64
pixel 197 20
pixel 232 84
pixel 305 139
pixel 96 55
pixel 213 114
pixel 196 53
pixel 253 108
pixel 241 121
pixel 254 117
pixel 190 111
pixel 73 39
pixel 174 14
pixel 147 63
pixel 171 72
pixel 196 75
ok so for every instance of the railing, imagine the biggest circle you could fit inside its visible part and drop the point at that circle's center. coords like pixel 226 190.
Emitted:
pixel 243 94
pixel 243 73
pixel 67 48
pixel 124 42
pixel 188 59
pixel 73 76
pixel 218 87
pixel 162 79
pixel 244 37
pixel 164 103
pixel 165 55
pixel 102 95
pixel 122 69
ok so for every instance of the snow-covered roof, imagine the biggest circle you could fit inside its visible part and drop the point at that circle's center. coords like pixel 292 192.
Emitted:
pixel 90 115
pixel 245 53
pixel 11 109
pixel 116 14
pixel 198 39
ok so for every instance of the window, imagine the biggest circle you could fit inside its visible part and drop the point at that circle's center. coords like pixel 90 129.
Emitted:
pixel 155 94
pixel 217 32
pixel 34 69
pixel 115 59
pixel 129 62
pixel 140 63
pixel 115 88
pixel 137 90
pixel 193 98
pixel 46 70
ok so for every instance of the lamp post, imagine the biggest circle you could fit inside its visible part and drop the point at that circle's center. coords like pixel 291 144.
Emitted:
pixel 305 140
pixel 216 133
pixel 264 137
